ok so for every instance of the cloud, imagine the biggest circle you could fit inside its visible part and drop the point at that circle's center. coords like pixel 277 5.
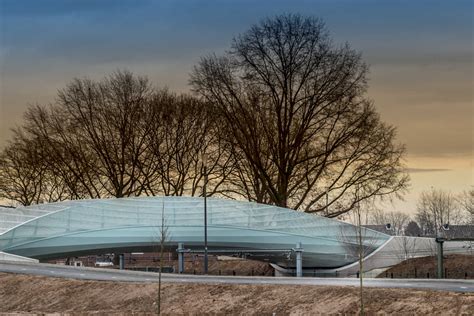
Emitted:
pixel 419 170
pixel 422 66
pixel 54 8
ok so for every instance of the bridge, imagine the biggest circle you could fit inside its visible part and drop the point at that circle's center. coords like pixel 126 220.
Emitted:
pixel 261 232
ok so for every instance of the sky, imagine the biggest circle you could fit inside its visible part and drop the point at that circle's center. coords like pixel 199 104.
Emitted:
pixel 420 55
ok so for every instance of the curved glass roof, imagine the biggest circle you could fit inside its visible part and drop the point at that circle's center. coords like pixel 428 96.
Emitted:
pixel 86 226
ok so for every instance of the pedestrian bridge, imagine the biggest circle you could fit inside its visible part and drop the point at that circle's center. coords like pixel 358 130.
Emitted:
pixel 83 227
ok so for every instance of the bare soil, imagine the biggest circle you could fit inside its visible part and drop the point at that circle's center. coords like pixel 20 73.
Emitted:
pixel 456 267
pixel 25 294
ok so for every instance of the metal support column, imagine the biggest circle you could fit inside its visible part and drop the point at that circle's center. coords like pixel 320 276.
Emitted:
pixel 180 257
pixel 121 261
pixel 439 242
pixel 299 259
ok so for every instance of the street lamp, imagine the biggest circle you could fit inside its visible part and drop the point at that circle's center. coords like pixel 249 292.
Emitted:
pixel 204 192
pixel 440 239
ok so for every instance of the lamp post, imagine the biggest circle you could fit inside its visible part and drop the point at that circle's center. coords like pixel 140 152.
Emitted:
pixel 440 239
pixel 204 192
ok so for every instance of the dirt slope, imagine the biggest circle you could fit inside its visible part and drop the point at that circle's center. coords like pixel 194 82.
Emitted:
pixel 33 294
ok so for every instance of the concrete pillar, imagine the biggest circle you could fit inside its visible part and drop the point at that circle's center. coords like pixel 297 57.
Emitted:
pixel 439 242
pixel 299 259
pixel 180 257
pixel 122 261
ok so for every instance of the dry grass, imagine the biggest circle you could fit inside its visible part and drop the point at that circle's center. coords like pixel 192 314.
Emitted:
pixel 35 294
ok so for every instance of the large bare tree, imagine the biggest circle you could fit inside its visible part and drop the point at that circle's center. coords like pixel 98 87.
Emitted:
pixel 297 118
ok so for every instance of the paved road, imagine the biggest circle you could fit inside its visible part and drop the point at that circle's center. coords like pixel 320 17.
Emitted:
pixel 134 276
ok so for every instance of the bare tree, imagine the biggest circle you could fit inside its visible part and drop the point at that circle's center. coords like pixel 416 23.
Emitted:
pixel 436 208
pixel 361 256
pixel 116 137
pixel 466 201
pixel 407 246
pixel 297 118
pixel 92 138
pixel 397 220
pixel 284 122
pixel 163 237
pixel 109 113
pixel 63 150
pixel 22 177
pixel 359 241
pixel 184 128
